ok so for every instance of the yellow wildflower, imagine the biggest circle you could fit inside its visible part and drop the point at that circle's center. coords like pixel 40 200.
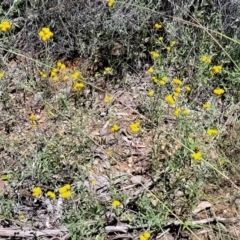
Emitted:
pixel 157 26
pixel 22 216
pixel 170 99
pixel 43 74
pixel 176 81
pixel 211 132
pixel 110 3
pixel 135 127
pixel 32 117
pixel 114 128
pixel 168 48
pixel 66 194
pixel 186 112
pixel 115 203
pixel 177 112
pixel 196 155
pixel 45 34
pixel 173 43
pixel 150 70
pixel 65 188
pixel 206 105
pixel 78 86
pixel 94 182
pixel 1 74
pixel 176 94
pixel 206 59
pixel 154 54
pixel 215 69
pixel 154 79
pixel 164 78
pixel 107 70
pixel 65 78
pixel 76 75
pixel 55 78
pixel 178 90
pixel 61 65
pixel 51 194
pixel 160 38
pixel 218 91
pixel 151 93
pixel 109 152
pixel 54 72
pixel 36 191
pixel 145 236
pixel 188 88
pixel 108 99
pixel 5 26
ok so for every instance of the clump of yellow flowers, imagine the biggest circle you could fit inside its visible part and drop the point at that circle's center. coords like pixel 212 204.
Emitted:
pixel 206 59
pixel 65 191
pixel 37 191
pixel 218 91
pixel 145 236
pixel 116 203
pixel 169 99
pixel 5 26
pixel 211 132
pixel 135 127
pixel 114 128
pixel 215 69
pixel 196 155
pixel 78 86
pixel 110 3
pixel 45 34
pixel 154 54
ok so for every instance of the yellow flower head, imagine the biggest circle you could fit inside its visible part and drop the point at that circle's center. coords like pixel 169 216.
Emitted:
pixel 94 182
pixel 65 188
pixel 206 59
pixel 160 39
pixel 65 78
pixel 170 99
pixel 215 69
pixel 61 65
pixel 32 117
pixel 110 3
pixel 5 26
pixel 116 203
pixel 168 48
pixel 188 88
pixel 66 194
pixel 36 191
pixel 150 70
pixel 176 94
pixel 218 91
pixel 176 81
pixel 51 194
pixel 114 128
pixel 107 70
pixel 206 105
pixel 76 75
pixel 1 74
pixel 173 43
pixel 45 34
pixel 154 54
pixel 178 90
pixel 151 93
pixel 22 216
pixel 211 132
pixel 157 26
pixel 78 86
pixel 43 74
pixel 186 112
pixel 196 155
pixel 177 112
pixel 154 79
pixel 55 78
pixel 135 127
pixel 108 99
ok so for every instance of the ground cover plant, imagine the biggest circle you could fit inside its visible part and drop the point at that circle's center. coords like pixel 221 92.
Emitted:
pixel 119 119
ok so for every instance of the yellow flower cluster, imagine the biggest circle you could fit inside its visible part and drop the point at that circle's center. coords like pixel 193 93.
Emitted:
pixel 76 75
pixel 163 80
pixel 45 34
pixel 65 191
pixel 110 3
pixel 37 191
pixel 135 127
pixel 145 236
pixel 206 59
pixel 108 99
pixel 5 26
pixel 51 194
pixel 78 86
pixel 178 111
pixel 188 88
pixel 116 203
pixel 151 93
pixel 206 105
pixel 176 81
pixel 172 43
pixel 32 117
pixel 169 99
pixel 157 26
pixel 154 54
pixel 211 132
pixel 114 128
pixel 150 70
pixel 177 91
pixel 196 155
pixel 215 69
pixel 218 91
pixel 61 66
pixel 43 74
pixel 1 74
pixel 107 70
